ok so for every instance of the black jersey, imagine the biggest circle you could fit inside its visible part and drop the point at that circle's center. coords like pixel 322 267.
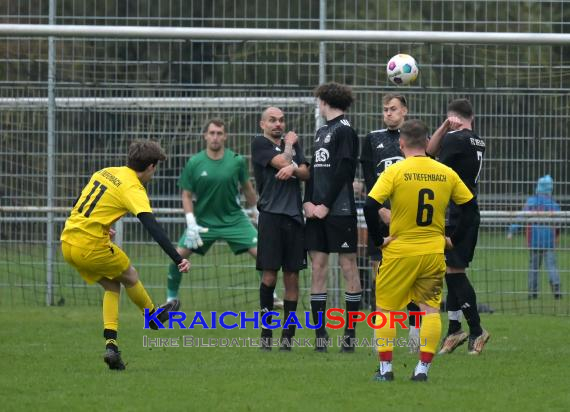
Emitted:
pixel 463 151
pixel 276 196
pixel 381 149
pixel 333 167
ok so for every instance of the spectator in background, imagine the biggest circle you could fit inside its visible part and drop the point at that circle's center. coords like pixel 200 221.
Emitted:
pixel 541 238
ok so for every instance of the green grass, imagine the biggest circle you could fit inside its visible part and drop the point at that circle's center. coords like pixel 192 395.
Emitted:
pixel 52 359
pixel 223 281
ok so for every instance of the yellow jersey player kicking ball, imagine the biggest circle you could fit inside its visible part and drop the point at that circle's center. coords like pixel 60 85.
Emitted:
pixel 86 239
pixel 413 263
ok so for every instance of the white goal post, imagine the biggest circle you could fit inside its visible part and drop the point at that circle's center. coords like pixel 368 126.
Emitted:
pixel 239 34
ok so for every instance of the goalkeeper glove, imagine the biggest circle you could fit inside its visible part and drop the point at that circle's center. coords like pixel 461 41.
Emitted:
pixel 193 239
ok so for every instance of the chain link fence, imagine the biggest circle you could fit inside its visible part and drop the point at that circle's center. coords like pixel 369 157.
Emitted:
pixel 520 94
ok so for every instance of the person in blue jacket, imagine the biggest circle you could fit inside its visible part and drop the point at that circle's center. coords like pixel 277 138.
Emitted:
pixel 542 238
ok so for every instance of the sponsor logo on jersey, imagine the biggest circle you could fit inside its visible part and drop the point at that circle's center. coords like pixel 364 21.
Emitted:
pixel 476 142
pixel 344 245
pixel 380 146
pixel 322 155
pixel 389 161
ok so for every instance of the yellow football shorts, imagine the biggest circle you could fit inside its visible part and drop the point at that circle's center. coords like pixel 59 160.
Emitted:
pixel 417 278
pixel 94 264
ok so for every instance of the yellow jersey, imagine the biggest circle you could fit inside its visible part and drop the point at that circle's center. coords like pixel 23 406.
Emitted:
pixel 110 194
pixel 419 189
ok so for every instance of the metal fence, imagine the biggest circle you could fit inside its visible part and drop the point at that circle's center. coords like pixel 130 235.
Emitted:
pixel 520 93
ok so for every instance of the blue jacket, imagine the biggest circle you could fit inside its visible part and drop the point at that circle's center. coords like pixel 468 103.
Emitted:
pixel 539 235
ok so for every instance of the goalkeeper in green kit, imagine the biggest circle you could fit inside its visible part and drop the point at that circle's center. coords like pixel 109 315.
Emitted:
pixel 210 184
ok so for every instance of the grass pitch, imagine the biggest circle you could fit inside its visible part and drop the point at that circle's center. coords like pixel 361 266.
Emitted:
pixel 52 359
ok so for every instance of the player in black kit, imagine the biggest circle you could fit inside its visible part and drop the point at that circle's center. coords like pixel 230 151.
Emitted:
pixel 330 208
pixel 458 147
pixel 381 149
pixel 279 165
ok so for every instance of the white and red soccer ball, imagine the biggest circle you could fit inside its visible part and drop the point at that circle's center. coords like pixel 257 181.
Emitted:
pixel 402 69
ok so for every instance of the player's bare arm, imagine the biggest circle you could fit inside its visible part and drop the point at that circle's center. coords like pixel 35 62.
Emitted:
pixel 290 139
pixel 385 214
pixel 187 204
pixel 302 172
pixel 249 194
pixel 288 168
pixel 434 144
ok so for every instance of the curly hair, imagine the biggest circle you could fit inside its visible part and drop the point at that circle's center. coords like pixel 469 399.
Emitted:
pixel 336 95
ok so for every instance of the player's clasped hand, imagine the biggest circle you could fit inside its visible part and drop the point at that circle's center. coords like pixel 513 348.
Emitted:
pixel 387 241
pixel 453 123
pixel 320 211
pixel 184 266
pixel 286 172
pixel 193 239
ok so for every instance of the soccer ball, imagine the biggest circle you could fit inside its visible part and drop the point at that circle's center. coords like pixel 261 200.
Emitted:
pixel 402 69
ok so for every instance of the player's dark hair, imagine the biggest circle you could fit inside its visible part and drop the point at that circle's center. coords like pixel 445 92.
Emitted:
pixel 462 107
pixel 143 153
pixel 336 95
pixel 390 96
pixel 414 132
pixel 215 122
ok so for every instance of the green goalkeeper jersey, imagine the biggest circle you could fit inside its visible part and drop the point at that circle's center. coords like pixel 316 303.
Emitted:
pixel 215 185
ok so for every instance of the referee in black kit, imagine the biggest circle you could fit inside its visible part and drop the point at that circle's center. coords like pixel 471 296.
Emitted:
pixel 330 208
pixel 279 165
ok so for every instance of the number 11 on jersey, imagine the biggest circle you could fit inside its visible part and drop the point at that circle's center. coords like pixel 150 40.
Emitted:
pixel 102 188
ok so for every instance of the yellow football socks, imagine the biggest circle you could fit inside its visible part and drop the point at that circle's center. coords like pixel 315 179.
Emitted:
pixel 430 332
pixel 111 310
pixel 385 337
pixel 140 297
